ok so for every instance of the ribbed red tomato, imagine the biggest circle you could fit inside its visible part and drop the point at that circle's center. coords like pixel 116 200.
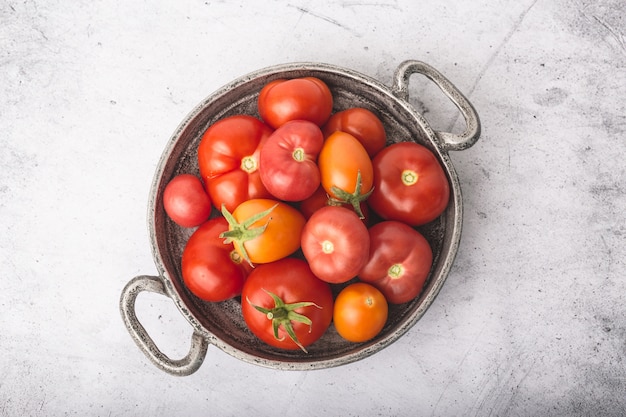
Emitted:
pixel 288 159
pixel 399 261
pixel 335 242
pixel 228 157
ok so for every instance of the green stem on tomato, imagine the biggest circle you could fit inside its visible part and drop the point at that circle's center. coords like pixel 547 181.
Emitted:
pixel 355 198
pixel 283 315
pixel 240 233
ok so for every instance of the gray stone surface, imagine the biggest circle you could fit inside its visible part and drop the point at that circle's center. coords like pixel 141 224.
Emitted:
pixel 532 318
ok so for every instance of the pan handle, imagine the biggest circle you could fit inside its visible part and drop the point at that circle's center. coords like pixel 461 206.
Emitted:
pixel 178 367
pixel 450 141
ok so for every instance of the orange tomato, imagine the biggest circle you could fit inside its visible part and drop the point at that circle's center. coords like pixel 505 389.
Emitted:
pixel 264 230
pixel 346 169
pixel 360 312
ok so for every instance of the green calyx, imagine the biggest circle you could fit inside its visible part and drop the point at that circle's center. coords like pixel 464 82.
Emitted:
pixel 239 233
pixel 284 315
pixel 354 199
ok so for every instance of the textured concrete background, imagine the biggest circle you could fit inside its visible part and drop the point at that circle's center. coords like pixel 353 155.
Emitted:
pixel 532 319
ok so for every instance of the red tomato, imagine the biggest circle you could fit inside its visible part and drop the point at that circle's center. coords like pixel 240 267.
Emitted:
pixel 289 160
pixel 228 157
pixel 212 270
pixel 362 124
pixel 264 230
pixel 186 202
pixel 285 305
pixel 360 312
pixel 316 201
pixel 335 242
pixel 409 184
pixel 399 262
pixel 307 98
pixel 346 170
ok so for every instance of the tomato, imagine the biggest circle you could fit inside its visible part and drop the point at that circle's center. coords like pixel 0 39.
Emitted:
pixel 346 170
pixel 362 124
pixel 316 201
pixel 289 160
pixel 285 305
pixel 399 262
pixel 306 98
pixel 409 184
pixel 360 312
pixel 335 242
pixel 212 270
pixel 264 230
pixel 228 157
pixel 185 201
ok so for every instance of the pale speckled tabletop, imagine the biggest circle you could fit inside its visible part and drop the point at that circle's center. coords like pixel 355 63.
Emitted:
pixel 532 318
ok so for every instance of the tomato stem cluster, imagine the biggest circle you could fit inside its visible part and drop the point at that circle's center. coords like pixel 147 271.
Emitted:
pixel 355 198
pixel 239 233
pixel 283 315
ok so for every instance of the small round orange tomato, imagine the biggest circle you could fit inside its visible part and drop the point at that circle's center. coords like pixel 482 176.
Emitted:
pixel 360 312
pixel 346 169
pixel 360 123
pixel 264 230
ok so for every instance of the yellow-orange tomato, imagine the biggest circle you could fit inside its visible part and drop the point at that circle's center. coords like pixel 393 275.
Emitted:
pixel 360 312
pixel 346 169
pixel 264 230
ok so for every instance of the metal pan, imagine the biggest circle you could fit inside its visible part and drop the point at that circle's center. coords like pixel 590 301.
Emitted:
pixel 221 324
